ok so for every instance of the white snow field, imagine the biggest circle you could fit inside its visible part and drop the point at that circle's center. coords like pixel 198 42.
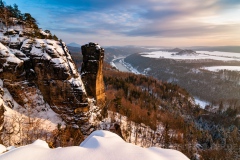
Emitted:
pixel 216 55
pixel 100 145
pixel 2 148
pixel 218 68
pixel 201 103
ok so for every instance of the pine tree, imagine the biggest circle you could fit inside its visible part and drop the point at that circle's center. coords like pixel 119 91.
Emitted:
pixel 55 37
pixel 16 11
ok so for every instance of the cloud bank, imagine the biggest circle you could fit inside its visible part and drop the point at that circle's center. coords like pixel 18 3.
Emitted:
pixel 214 20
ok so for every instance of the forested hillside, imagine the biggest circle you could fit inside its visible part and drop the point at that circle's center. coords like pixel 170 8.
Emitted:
pixel 213 87
pixel 185 126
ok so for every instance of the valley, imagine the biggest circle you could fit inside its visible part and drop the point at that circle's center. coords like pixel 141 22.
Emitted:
pixel 194 73
pixel 122 94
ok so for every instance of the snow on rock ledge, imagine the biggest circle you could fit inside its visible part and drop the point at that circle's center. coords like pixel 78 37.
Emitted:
pixel 2 148
pixel 7 57
pixel 40 143
pixel 100 145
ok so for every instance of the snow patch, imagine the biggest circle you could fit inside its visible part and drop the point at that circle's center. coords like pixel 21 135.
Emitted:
pixel 98 47
pixel 41 114
pixel 201 103
pixel 1 83
pixel 77 82
pixel 41 143
pixel 99 145
pixel 2 148
pixel 218 68
pixel 222 56
pixel 11 148
pixel 10 57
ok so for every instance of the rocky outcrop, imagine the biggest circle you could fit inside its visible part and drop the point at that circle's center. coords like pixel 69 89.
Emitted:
pixel 47 67
pixel 59 81
pixel 91 71
pixel 42 71
pixel 1 111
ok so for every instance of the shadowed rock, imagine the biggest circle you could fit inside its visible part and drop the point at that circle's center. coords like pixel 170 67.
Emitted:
pixel 91 71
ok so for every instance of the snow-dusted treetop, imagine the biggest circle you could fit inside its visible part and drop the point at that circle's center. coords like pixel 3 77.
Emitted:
pixel 100 145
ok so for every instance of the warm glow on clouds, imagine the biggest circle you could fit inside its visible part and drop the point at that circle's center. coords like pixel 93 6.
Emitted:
pixel 142 22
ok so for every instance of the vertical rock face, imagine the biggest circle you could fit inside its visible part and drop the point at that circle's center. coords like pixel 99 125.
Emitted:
pixel 91 71
pixel 1 112
pixel 49 67
pixel 43 73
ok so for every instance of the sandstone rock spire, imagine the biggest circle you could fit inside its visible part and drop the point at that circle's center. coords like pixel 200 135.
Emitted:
pixel 91 71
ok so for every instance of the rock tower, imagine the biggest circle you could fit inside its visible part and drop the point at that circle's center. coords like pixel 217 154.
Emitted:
pixel 91 72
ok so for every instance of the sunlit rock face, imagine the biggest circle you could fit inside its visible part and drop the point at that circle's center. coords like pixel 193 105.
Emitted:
pixel 91 71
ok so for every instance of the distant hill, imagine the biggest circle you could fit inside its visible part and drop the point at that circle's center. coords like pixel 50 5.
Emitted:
pixel 186 52
pixel 123 51
pixel 175 50
pixel 235 49
pixel 73 44
pixel 74 49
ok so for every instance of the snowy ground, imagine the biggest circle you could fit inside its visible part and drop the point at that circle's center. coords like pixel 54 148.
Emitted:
pixel 201 103
pixel 223 56
pixel 100 145
pixel 218 68
pixel 41 116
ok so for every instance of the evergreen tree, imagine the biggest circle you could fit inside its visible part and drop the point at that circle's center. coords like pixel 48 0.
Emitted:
pixel 16 11
pixel 1 13
pixel 30 21
pixel 6 15
pixel 1 4
pixel 55 37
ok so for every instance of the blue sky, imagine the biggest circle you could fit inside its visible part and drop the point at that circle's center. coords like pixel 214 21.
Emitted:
pixel 139 22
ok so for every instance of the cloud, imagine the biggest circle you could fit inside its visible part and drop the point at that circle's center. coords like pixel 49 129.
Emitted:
pixel 113 20
pixel 183 30
pixel 142 18
pixel 229 2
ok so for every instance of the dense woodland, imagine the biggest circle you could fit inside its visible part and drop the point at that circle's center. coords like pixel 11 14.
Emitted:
pixel 147 100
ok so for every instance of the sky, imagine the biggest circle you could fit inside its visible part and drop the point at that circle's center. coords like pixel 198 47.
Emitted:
pixel 139 22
